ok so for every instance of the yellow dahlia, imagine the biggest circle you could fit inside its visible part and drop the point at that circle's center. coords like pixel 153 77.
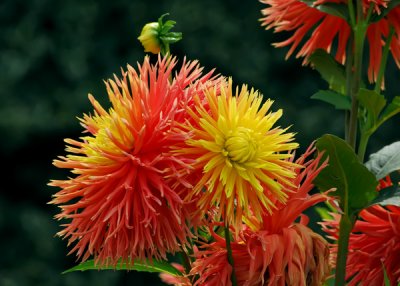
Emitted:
pixel 241 160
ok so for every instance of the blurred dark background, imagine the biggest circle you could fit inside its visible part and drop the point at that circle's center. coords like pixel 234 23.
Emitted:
pixel 53 53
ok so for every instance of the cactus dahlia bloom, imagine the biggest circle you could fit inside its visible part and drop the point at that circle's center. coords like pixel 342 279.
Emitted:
pixel 124 200
pixel 240 158
pixel 374 244
pixel 278 251
pixel 301 19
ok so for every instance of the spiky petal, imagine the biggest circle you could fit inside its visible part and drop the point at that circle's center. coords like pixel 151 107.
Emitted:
pixel 124 200
pixel 324 29
pixel 240 157
pixel 374 244
pixel 278 251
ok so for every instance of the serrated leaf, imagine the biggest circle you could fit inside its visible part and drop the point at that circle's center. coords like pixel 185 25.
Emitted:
pixel 352 180
pixel 147 266
pixel 330 70
pixel 335 9
pixel 390 6
pixel 385 161
pixel 339 101
pixel 388 196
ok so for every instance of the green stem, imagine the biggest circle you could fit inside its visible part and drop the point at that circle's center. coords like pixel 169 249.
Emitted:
pixel 385 54
pixel 229 253
pixel 359 30
pixel 349 76
pixel 359 38
pixel 351 13
pixel 345 227
pixel 362 147
pixel 165 49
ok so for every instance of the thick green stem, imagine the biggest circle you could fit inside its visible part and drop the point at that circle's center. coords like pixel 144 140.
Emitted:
pixel 356 79
pixel 359 37
pixel 385 54
pixel 165 50
pixel 229 254
pixel 353 86
pixel 345 227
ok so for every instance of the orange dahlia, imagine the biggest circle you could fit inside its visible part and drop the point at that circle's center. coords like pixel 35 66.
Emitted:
pixel 278 251
pixel 374 245
pixel 240 159
pixel 124 200
pixel 301 19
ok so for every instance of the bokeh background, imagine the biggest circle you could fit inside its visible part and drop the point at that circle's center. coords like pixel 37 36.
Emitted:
pixel 53 53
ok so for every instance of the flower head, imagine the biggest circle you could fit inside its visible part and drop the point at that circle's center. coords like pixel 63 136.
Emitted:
pixel 301 18
pixel 240 159
pixel 374 245
pixel 124 200
pixel 278 251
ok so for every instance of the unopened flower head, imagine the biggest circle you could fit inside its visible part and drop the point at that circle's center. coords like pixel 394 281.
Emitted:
pixel 149 38
pixel 156 36
pixel 314 29
pixel 240 157
pixel 124 200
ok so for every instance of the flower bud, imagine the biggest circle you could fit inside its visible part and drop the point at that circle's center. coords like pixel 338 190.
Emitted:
pixel 149 37
pixel 156 36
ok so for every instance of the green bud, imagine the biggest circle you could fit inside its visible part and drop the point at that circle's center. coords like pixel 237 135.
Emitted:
pixel 156 36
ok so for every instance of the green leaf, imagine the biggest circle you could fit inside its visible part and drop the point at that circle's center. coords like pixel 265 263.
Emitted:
pixel 372 101
pixel 167 26
pixel 385 161
pixel 355 185
pixel 330 70
pixel 388 196
pixel 147 266
pixel 335 9
pixel 323 213
pixel 171 38
pixel 385 276
pixel 390 5
pixel 392 109
pixel 160 20
pixel 339 101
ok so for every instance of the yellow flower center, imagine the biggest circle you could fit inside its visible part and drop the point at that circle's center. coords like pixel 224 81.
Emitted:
pixel 241 146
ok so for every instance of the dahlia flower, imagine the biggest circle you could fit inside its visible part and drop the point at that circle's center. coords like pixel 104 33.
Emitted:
pixel 301 19
pixel 281 250
pixel 374 245
pixel 240 158
pixel 124 200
